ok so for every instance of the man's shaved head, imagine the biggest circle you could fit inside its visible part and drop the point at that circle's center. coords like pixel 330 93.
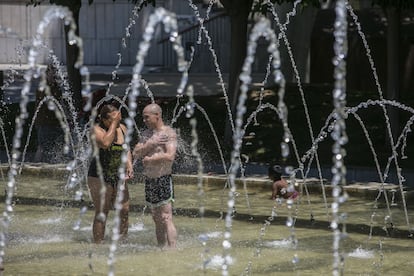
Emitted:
pixel 153 108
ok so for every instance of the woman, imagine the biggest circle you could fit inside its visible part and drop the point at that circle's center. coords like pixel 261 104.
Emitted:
pixel 109 136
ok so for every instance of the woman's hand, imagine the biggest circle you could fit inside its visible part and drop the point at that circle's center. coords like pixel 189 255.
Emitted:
pixel 115 118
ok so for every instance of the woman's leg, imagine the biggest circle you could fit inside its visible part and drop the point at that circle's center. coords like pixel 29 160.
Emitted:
pixel 99 192
pixel 124 213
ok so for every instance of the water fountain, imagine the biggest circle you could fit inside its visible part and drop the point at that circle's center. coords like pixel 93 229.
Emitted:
pixel 224 233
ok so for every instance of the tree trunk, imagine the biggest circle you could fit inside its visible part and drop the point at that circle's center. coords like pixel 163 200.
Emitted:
pixel 239 11
pixel 72 52
pixel 299 32
pixel 1 90
pixel 409 70
pixel 393 66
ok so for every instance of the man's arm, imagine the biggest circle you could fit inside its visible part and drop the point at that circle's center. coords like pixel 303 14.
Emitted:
pixel 146 146
pixel 142 148
pixel 129 168
pixel 170 149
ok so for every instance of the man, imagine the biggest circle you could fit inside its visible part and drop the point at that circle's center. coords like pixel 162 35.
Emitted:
pixel 157 149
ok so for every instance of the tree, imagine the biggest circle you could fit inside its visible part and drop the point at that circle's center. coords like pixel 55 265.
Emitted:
pixel 393 11
pixel 239 12
pixel 72 51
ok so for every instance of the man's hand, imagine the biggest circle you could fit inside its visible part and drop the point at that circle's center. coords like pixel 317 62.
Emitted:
pixel 160 139
pixel 129 172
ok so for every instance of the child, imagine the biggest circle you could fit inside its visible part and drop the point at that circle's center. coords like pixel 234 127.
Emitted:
pixel 280 187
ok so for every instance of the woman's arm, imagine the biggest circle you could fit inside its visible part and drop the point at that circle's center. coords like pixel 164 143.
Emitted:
pixel 105 138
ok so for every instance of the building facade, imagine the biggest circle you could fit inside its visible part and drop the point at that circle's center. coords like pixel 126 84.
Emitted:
pixel 111 33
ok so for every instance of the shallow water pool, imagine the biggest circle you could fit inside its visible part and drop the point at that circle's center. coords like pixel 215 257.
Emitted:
pixel 41 239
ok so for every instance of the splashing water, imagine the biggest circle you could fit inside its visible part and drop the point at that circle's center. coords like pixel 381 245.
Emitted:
pixel 37 42
pixel 362 253
pixel 335 126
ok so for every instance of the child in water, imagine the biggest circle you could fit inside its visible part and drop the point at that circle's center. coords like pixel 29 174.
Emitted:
pixel 280 187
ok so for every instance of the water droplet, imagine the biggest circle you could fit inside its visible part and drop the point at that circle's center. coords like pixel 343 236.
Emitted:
pixel 226 244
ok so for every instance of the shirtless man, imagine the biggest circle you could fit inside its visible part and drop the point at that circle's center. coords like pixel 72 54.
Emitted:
pixel 157 149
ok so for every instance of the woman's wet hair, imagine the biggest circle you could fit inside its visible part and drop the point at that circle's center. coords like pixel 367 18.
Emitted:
pixel 105 110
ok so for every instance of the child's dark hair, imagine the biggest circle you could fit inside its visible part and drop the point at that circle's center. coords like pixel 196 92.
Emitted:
pixel 275 172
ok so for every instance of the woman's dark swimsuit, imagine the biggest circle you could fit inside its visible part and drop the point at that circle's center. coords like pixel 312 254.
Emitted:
pixel 110 160
pixel 159 191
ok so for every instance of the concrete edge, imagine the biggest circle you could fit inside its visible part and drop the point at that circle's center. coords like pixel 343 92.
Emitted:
pixel 369 190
